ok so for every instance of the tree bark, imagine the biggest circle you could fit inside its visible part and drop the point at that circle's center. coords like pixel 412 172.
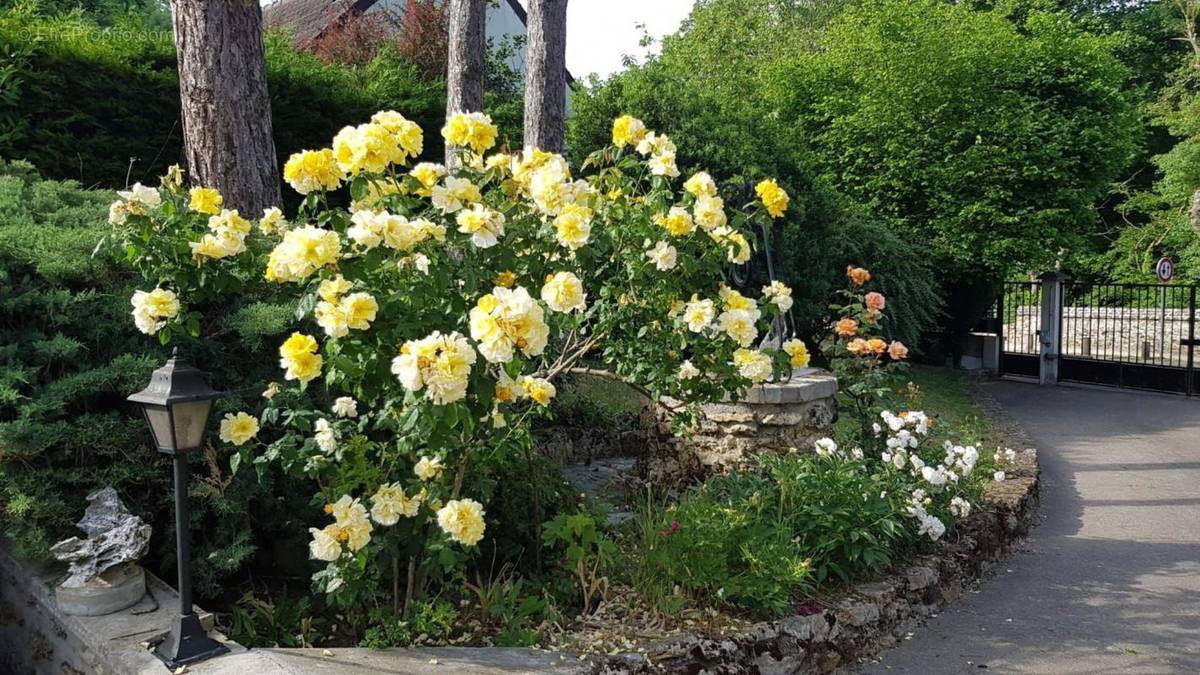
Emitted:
pixel 546 75
pixel 228 142
pixel 464 67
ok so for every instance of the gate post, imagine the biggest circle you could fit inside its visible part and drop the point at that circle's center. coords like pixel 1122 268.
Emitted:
pixel 1051 330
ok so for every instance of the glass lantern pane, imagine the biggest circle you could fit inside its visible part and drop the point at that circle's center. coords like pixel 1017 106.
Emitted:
pixel 190 419
pixel 160 425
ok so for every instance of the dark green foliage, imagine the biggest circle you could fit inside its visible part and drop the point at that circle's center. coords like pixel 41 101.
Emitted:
pixel 101 105
pixel 710 99
pixel 281 621
pixel 69 355
pixel 759 539
pixel 1160 213
pixel 434 619
pixel 987 141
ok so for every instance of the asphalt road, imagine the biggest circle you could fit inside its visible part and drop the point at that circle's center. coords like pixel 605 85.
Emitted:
pixel 1110 579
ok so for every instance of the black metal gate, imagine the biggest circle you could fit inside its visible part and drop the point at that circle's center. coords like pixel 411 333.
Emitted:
pixel 1140 336
pixel 1018 320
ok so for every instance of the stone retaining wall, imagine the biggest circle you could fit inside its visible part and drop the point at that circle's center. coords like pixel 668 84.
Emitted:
pixel 770 418
pixel 867 619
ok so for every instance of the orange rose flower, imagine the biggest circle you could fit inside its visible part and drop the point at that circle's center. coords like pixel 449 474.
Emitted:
pixel 858 347
pixel 875 301
pixel 858 276
pixel 877 346
pixel 897 350
pixel 846 327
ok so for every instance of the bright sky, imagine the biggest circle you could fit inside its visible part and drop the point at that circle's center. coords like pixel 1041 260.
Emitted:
pixel 601 32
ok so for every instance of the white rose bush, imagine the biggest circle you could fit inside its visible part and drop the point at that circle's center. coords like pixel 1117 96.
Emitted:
pixel 434 312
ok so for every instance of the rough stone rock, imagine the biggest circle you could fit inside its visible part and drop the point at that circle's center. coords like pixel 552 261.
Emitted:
pixel 879 592
pixel 769 665
pixel 857 613
pixel 920 577
pixel 115 537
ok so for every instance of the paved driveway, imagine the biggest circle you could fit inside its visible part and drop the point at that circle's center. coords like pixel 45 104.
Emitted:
pixel 1110 580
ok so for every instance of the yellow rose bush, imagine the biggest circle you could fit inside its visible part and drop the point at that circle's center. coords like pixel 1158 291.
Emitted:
pixel 435 310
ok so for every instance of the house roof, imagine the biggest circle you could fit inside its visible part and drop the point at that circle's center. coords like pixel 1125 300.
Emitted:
pixel 308 19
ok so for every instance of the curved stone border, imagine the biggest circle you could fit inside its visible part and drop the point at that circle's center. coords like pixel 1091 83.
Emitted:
pixel 871 616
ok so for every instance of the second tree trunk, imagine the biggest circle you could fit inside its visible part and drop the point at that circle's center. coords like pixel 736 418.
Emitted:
pixel 546 75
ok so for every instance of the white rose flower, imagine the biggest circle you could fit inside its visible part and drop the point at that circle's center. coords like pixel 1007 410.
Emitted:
pixel 345 406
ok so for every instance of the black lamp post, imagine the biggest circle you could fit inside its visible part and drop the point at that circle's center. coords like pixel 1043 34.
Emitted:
pixel 176 406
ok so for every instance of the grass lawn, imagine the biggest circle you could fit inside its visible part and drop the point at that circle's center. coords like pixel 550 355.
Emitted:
pixel 945 394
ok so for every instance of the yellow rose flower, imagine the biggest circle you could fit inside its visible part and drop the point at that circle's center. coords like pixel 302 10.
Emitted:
pixel 700 184
pixel 238 428
pixel 303 251
pixel 272 221
pixel 506 279
pixel 427 174
pixel 462 519
pixel 360 310
pixel 312 170
pixel 752 365
pixel 439 364
pixel 325 544
pixel 573 226
pixel 506 320
pixel 538 389
pixel 627 130
pixel 773 197
pixel 299 358
pixel 428 468
pixel 205 200
pixel 152 311
pixel 485 225
pixel 564 292
pixel 798 351
pixel 389 503
pixel 474 130
pixel 677 221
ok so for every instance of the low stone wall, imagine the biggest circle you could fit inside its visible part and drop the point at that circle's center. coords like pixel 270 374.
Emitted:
pixel 36 637
pixel 770 418
pixel 1139 334
pixel 867 619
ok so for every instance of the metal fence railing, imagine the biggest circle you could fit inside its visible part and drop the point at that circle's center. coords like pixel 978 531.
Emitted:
pixel 1142 324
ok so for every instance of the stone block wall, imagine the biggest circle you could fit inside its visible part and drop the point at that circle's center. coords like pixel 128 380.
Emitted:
pixel 771 418
pixel 1107 333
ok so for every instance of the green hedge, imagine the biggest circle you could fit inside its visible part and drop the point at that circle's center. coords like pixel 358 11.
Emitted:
pixel 69 355
pixel 101 106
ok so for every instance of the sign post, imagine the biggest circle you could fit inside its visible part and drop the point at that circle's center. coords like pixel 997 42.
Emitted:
pixel 1164 269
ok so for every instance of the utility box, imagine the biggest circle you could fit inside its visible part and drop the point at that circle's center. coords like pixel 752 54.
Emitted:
pixel 982 352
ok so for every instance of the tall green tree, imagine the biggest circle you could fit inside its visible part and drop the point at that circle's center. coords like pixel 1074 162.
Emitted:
pixel 984 136
pixel 706 90
pixel 1165 218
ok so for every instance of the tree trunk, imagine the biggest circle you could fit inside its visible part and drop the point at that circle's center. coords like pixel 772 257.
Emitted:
pixel 228 143
pixel 546 74
pixel 464 67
